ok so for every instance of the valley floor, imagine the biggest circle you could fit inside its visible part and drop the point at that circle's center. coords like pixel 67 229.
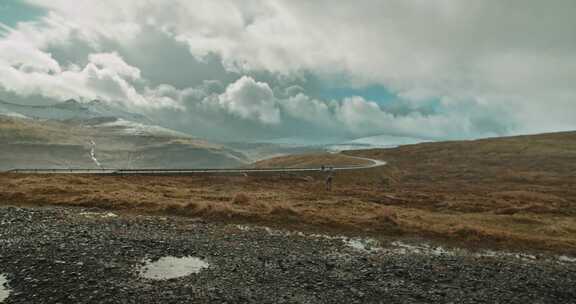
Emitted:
pixel 516 193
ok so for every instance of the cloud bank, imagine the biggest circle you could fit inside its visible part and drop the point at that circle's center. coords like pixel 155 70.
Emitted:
pixel 256 69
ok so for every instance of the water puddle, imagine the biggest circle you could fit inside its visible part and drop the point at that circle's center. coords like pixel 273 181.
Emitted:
pixel 519 256
pixel 404 248
pixel 373 246
pixel 4 291
pixel 98 214
pixel 368 245
pixel 362 244
pixel 169 267
pixel 566 259
pixel 398 247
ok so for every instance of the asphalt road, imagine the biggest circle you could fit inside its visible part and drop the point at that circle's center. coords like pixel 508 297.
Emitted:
pixel 375 163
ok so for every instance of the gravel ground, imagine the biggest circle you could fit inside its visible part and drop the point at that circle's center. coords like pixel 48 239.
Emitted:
pixel 72 255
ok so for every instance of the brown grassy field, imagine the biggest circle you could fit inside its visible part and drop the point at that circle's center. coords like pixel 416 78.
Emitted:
pixel 517 192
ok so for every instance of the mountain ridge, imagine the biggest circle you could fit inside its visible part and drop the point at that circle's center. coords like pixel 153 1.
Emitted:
pixel 72 109
pixel 69 134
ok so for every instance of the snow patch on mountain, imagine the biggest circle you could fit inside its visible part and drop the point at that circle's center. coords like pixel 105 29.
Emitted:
pixel 71 110
pixel 5 112
pixel 125 127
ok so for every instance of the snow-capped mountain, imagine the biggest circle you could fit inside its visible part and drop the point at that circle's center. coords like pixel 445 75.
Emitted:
pixel 70 110
pixel 97 114
pixel 120 126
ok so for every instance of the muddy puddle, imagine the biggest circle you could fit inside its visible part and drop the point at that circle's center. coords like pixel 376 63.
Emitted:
pixel 170 267
pixel 4 291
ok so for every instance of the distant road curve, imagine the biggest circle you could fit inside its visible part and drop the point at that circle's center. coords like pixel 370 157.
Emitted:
pixel 375 163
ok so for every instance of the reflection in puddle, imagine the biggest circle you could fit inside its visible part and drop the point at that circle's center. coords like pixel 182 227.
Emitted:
pixel 425 249
pixel 369 245
pixel 4 291
pixel 362 244
pixel 404 248
pixel 520 256
pixel 567 259
pixel 98 214
pixel 171 267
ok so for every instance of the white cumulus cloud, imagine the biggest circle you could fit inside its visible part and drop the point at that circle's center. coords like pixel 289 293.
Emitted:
pixel 457 68
pixel 251 99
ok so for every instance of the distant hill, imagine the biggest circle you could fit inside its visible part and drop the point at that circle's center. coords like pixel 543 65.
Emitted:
pixel 61 136
pixel 535 158
pixel 499 162
pixel 378 141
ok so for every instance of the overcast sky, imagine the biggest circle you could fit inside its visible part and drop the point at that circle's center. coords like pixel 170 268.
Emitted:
pixel 260 69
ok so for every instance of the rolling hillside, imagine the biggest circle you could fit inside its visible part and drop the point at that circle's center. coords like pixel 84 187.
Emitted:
pixel 69 134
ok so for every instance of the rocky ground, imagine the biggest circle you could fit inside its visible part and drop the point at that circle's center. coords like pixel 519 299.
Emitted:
pixel 73 255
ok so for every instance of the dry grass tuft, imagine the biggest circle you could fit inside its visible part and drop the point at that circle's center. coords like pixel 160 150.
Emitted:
pixel 284 211
pixel 385 216
pixel 530 208
pixel 240 199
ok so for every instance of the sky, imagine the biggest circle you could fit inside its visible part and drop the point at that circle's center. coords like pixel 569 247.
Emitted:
pixel 233 70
